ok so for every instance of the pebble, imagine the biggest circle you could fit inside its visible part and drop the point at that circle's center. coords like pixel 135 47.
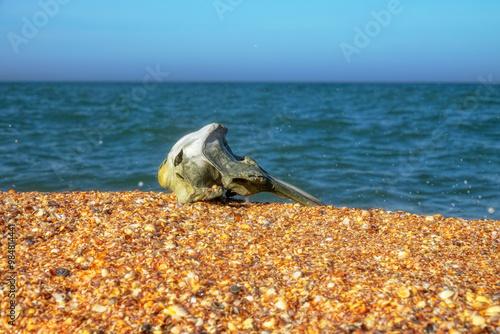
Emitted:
pixel 136 292
pixel 62 272
pixel 446 294
pixel 99 308
pixel 169 245
pixel 429 219
pixel 131 275
pixel 158 244
pixel 80 259
pixel 128 231
pixel 402 254
pixel 218 305
pixel 421 304
pixel 403 292
pixel 248 323
pixel 59 297
pixel 39 213
pixel 346 221
pixel 281 304
pixel 478 320
pixel 235 289
pixel 493 311
pixel 150 228
pixel 270 323
pixel 177 310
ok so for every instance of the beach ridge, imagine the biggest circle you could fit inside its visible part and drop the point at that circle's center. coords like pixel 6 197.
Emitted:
pixel 138 262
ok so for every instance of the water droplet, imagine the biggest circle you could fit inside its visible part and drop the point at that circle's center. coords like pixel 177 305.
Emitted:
pixel 140 184
pixel 491 210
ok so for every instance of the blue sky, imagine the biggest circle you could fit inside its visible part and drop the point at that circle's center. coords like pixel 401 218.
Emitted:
pixel 250 40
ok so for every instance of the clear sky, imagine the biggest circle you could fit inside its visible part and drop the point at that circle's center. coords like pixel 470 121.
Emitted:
pixel 250 40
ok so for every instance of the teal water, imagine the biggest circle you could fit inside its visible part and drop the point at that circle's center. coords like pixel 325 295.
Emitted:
pixel 422 148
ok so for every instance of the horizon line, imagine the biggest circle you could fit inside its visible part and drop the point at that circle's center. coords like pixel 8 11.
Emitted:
pixel 241 82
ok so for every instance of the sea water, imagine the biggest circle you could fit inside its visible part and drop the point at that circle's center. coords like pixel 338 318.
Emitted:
pixel 421 148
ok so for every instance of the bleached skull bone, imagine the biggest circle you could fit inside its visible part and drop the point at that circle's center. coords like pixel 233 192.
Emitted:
pixel 201 166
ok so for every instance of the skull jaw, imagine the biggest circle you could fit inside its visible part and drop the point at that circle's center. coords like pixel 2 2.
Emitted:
pixel 244 187
pixel 188 194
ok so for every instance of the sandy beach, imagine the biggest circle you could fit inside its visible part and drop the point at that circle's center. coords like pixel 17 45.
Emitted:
pixel 136 262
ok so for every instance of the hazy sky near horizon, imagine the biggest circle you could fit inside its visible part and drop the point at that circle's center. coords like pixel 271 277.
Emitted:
pixel 243 40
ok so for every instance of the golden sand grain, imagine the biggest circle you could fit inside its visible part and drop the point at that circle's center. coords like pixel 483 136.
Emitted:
pixel 134 262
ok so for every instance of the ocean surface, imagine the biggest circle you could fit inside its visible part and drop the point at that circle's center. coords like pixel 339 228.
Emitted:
pixel 421 148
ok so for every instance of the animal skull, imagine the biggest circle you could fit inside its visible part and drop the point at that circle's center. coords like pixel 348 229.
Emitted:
pixel 201 166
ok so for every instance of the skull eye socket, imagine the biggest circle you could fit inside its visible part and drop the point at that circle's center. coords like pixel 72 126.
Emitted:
pixel 178 159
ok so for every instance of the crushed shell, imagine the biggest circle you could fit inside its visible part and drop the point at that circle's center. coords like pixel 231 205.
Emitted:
pixel 446 294
pixel 493 311
pixel 99 308
pixel 139 262
pixel 403 292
